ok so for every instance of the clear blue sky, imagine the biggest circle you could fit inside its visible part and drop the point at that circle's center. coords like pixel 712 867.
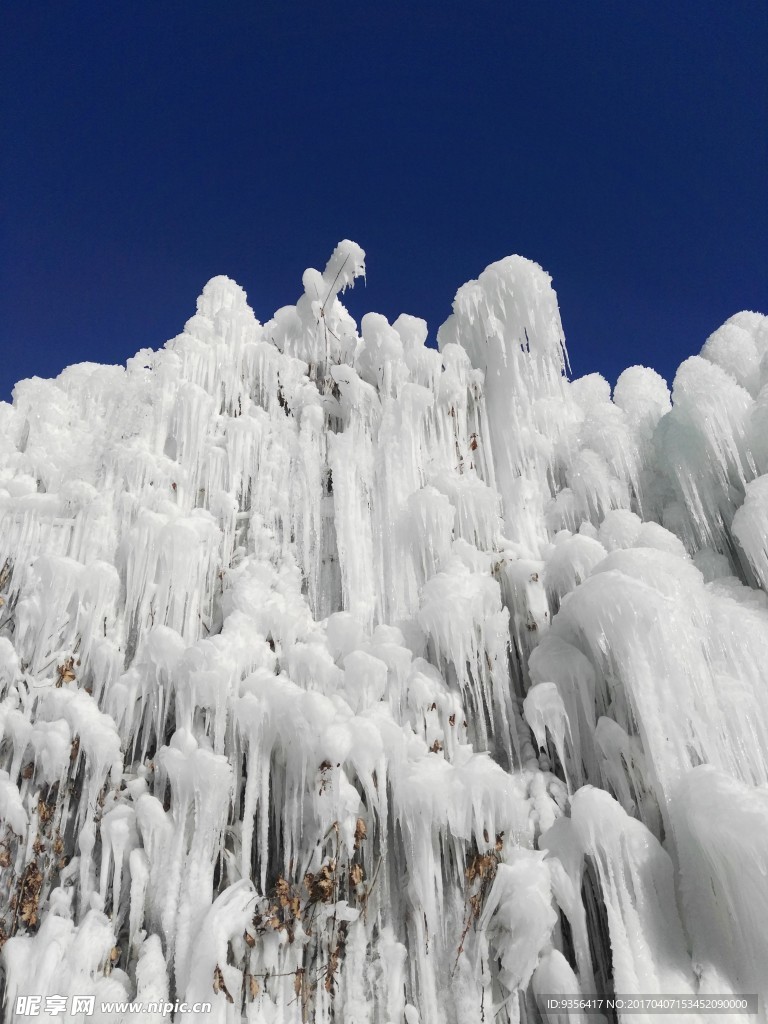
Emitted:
pixel 147 146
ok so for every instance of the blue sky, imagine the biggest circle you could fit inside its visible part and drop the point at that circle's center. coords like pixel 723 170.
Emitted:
pixel 151 145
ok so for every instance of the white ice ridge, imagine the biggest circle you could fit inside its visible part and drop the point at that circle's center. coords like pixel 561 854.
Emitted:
pixel 347 679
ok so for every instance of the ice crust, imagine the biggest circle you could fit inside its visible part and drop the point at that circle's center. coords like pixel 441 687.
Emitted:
pixel 346 679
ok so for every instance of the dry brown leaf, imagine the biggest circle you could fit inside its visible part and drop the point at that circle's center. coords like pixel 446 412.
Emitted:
pixel 322 885
pixel 220 986
pixel 65 673
pixel 298 980
pixel 361 831
pixel 45 811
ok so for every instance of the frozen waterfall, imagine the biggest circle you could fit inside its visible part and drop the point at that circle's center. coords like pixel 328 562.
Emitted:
pixel 347 679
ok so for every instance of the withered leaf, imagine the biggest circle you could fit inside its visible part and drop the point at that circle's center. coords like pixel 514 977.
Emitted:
pixel 65 673
pixel 361 831
pixel 220 986
pixel 45 811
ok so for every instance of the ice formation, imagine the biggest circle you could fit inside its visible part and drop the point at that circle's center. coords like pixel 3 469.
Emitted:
pixel 348 679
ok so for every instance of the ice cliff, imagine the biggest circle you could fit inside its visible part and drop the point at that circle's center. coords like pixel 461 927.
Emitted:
pixel 346 679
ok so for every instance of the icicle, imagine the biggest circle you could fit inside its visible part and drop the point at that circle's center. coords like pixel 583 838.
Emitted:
pixel 721 834
pixel 637 884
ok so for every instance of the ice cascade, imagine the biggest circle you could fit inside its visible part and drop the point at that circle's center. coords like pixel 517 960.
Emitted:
pixel 343 678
